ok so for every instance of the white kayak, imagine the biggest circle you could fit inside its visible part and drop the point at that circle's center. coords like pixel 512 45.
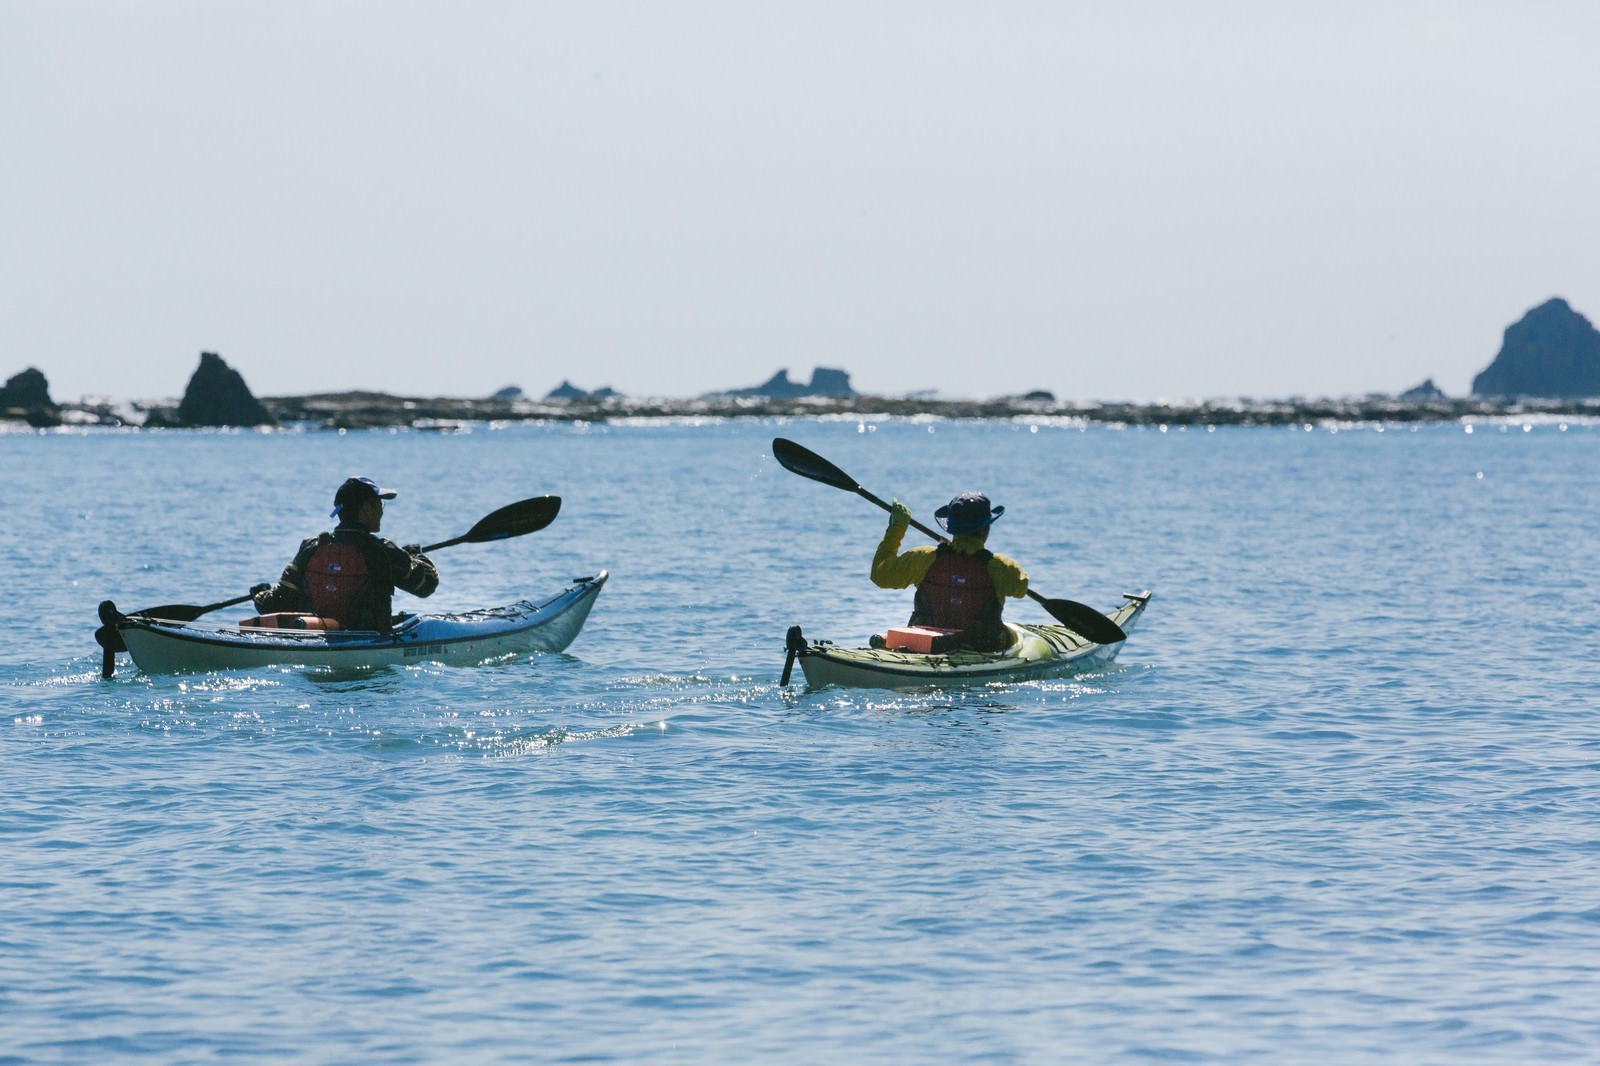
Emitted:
pixel 160 646
pixel 1037 652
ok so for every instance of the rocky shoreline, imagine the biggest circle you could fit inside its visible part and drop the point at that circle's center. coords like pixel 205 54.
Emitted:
pixel 377 410
pixel 1552 351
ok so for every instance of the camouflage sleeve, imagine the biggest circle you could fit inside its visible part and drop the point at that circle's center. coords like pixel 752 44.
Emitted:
pixel 411 571
pixel 289 594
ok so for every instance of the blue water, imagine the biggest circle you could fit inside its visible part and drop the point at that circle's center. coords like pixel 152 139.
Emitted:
pixel 1336 801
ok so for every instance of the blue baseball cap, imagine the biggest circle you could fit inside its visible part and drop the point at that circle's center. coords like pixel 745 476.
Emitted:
pixel 358 490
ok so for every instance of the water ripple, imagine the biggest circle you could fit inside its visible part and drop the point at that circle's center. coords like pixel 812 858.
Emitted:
pixel 1334 803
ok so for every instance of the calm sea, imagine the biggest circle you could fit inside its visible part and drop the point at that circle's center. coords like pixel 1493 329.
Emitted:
pixel 1335 803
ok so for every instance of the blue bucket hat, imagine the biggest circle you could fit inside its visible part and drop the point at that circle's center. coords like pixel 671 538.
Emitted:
pixel 358 490
pixel 967 513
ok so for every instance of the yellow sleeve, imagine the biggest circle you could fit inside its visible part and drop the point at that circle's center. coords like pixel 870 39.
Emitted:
pixel 1009 578
pixel 892 570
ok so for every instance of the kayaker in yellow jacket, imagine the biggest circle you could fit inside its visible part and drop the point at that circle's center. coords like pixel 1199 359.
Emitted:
pixel 961 585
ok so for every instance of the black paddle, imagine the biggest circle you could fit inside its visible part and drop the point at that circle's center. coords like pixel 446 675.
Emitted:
pixel 1078 617
pixel 512 520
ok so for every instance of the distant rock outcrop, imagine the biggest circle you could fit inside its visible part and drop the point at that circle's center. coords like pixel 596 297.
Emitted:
pixel 1426 391
pixel 509 394
pixel 829 382
pixel 1552 352
pixel 218 396
pixel 26 396
pixel 825 381
pixel 568 391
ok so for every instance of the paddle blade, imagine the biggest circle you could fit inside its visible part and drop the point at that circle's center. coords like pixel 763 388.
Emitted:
pixel 1084 620
pixel 798 459
pixel 515 519
pixel 175 612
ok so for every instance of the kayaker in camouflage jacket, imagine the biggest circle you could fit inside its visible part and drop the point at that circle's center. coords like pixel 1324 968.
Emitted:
pixel 350 574
pixel 960 586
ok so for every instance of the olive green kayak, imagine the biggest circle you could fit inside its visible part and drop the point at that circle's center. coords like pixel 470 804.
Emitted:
pixel 1037 652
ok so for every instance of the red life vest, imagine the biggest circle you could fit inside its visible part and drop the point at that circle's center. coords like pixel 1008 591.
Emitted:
pixel 336 575
pixel 957 592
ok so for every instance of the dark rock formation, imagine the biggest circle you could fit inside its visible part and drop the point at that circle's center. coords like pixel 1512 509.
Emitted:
pixel 777 387
pixel 830 382
pixel 509 394
pixel 824 382
pixel 1426 391
pixel 218 396
pixel 1552 352
pixel 568 391
pixel 27 389
pixel 26 396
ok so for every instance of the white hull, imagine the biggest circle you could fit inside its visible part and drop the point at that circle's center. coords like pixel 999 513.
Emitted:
pixel 1038 652
pixel 455 639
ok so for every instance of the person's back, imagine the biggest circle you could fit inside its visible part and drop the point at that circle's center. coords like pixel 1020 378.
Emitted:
pixel 960 585
pixel 350 574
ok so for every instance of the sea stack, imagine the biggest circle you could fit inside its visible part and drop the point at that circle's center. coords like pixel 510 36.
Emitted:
pixel 26 397
pixel 825 381
pixel 218 396
pixel 1426 391
pixel 828 381
pixel 568 391
pixel 1552 352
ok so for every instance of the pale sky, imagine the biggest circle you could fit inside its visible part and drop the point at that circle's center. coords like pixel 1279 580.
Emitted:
pixel 1107 200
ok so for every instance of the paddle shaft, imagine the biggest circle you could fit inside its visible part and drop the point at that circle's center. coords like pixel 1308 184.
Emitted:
pixel 207 609
pixel 870 498
pixel 193 612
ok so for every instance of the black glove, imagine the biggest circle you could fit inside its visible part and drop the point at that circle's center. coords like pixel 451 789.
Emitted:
pixel 256 590
pixel 411 549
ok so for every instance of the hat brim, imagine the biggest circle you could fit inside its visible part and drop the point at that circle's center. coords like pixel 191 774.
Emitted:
pixel 958 529
pixel 358 496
